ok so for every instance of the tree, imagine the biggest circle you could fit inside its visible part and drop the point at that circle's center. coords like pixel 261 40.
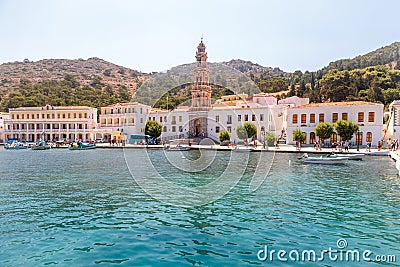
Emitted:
pixel 346 129
pixel 247 130
pixel 299 136
pixel 324 130
pixel 153 128
pixel 270 138
pixel 224 136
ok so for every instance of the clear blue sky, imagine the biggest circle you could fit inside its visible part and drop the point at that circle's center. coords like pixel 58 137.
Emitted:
pixel 150 35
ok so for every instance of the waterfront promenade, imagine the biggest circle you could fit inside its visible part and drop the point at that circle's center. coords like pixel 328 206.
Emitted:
pixel 280 149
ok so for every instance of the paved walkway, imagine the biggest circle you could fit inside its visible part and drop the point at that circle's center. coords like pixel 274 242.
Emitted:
pixel 281 149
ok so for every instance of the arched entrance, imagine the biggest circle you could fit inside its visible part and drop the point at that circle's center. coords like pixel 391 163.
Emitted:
pixel 197 127
pixel 312 138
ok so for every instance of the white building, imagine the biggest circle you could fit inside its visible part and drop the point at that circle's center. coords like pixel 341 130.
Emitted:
pixel 123 119
pixel 294 101
pixel 225 115
pixel 393 124
pixel 51 123
pixel 369 117
pixel 3 116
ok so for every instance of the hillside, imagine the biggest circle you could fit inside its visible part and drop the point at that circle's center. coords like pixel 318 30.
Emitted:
pixel 56 69
pixel 388 55
pixel 374 76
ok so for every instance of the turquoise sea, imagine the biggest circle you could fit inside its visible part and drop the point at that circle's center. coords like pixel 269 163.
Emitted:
pixel 83 208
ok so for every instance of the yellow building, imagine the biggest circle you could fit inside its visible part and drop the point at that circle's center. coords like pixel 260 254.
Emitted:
pixel 51 123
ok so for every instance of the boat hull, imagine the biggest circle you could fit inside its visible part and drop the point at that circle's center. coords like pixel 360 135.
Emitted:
pixel 84 147
pixel 327 160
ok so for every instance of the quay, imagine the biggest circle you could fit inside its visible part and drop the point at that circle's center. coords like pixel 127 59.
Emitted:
pixel 280 149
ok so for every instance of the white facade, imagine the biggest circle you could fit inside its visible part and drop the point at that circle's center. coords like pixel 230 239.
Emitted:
pixel 393 124
pixel 369 117
pixel 51 123
pixel 225 115
pixel 128 118
pixel 3 116
pixel 175 123
pixel 294 101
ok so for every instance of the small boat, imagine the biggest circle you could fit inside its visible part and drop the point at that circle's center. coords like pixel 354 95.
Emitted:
pixel 350 156
pixel 324 159
pixel 81 146
pixel 178 148
pixel 41 145
pixel 242 149
pixel 13 144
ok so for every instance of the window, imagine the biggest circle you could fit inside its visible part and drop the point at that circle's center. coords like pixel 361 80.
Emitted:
pixel 369 137
pixel 334 117
pixel 229 119
pixel 321 117
pixel 27 116
pixel 253 117
pixel 312 118
pixel 345 116
pixel 69 115
pixel 261 117
pixel 53 116
pixel 333 138
pixel 80 115
pixel 180 129
pixel 160 119
pixel 165 129
pixel 173 120
pixel 217 118
pixel 180 118
pixel 360 116
pixel 58 116
pixel 174 129
pixel 141 110
pixel 246 117
pixel 85 115
pixel 141 120
pixel 74 115
pixel 229 129
pixel 239 117
pixel 217 129
pixel 17 116
pixel 64 116
pixel 303 118
pixel 359 137
pixel 294 118
pixel 42 116
pixel 23 116
pixel 371 116
pixel 165 118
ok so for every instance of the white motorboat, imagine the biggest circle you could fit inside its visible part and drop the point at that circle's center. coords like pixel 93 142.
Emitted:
pixel 324 159
pixel 242 149
pixel 350 156
pixel 178 148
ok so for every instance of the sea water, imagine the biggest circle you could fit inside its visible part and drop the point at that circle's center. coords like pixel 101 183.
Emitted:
pixel 84 208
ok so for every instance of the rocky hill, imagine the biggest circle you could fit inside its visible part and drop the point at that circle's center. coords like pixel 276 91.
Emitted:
pixel 388 55
pixel 56 69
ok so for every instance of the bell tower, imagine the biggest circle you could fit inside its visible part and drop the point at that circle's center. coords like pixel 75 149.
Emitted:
pixel 201 94
pixel 201 90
